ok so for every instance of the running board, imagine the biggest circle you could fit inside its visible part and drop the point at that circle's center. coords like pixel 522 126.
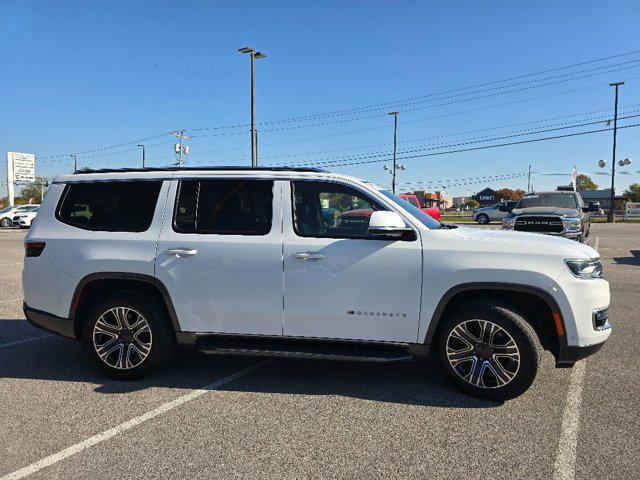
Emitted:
pixel 297 348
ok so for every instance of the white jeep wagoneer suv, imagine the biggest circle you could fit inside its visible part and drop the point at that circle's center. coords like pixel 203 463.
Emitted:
pixel 301 263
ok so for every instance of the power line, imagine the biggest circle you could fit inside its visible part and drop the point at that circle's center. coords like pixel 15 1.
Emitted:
pixel 395 102
pixel 385 105
pixel 369 117
pixel 525 132
pixel 485 147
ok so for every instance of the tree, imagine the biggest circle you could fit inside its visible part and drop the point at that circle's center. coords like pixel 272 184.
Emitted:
pixel 584 182
pixel 471 203
pixel 34 190
pixel 633 192
pixel 508 194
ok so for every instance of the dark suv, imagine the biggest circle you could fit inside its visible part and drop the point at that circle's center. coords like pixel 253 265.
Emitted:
pixel 561 213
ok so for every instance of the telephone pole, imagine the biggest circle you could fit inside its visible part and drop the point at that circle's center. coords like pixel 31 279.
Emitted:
pixel 143 154
pixel 611 217
pixel 395 145
pixel 256 141
pixel 254 55
pixel 75 161
pixel 179 148
pixel 529 180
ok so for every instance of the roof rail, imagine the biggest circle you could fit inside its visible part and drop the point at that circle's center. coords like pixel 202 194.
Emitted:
pixel 210 168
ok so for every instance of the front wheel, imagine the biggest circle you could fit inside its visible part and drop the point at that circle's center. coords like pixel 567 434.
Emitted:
pixel 482 219
pixel 5 222
pixel 489 350
pixel 126 336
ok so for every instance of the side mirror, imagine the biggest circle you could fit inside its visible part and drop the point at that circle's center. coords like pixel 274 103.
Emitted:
pixel 387 224
pixel 593 207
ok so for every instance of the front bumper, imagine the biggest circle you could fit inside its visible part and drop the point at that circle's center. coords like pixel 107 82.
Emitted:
pixel 568 355
pixel 49 322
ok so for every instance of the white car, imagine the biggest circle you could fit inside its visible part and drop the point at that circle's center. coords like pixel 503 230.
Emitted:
pixel 7 214
pixel 24 220
pixel 301 263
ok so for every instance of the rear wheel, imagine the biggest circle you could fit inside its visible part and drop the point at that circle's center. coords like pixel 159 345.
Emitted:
pixel 489 350
pixel 482 219
pixel 126 336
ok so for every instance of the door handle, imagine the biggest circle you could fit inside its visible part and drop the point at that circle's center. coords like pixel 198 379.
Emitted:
pixel 309 255
pixel 181 252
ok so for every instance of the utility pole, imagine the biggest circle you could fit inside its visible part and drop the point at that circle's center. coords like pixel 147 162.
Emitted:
pixel 143 155
pixel 395 145
pixel 75 162
pixel 529 180
pixel 253 54
pixel 179 148
pixel 256 141
pixel 611 217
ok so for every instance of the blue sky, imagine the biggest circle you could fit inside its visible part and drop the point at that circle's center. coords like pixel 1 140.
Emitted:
pixel 77 76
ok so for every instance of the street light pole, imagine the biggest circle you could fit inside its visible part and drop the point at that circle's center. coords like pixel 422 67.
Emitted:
pixel 254 55
pixel 611 217
pixel 143 155
pixel 75 161
pixel 395 145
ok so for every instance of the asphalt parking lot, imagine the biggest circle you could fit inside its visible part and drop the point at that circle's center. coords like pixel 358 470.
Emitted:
pixel 217 417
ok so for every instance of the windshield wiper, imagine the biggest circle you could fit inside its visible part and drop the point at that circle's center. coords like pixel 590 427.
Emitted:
pixel 446 226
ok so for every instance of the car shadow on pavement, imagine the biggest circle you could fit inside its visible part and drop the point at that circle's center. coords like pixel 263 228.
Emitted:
pixel 634 259
pixel 56 359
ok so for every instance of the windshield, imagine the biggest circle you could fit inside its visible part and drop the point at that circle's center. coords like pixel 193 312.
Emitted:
pixel 419 215
pixel 548 200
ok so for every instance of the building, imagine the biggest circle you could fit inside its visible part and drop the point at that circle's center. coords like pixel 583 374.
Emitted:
pixel 444 200
pixel 457 201
pixel 485 197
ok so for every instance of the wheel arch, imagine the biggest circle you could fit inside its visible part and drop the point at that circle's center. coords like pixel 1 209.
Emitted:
pixel 104 283
pixel 535 305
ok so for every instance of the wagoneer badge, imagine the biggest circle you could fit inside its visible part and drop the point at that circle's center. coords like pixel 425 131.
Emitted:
pixel 362 313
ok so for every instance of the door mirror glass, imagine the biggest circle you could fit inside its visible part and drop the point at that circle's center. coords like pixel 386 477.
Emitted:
pixel 388 224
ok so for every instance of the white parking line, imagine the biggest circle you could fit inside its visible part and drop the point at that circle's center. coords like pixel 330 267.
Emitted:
pixel 565 466
pixel 17 342
pixel 595 245
pixel 107 434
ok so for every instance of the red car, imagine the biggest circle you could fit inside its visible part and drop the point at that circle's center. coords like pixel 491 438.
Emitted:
pixel 433 212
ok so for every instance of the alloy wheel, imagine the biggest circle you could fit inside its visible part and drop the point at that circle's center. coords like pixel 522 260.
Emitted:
pixel 483 354
pixel 122 338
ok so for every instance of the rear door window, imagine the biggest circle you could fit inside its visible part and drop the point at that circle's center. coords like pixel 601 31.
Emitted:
pixel 109 206
pixel 224 207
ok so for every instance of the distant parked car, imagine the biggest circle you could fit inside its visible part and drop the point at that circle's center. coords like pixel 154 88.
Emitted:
pixel 497 212
pixel 7 214
pixel 24 220
pixel 433 212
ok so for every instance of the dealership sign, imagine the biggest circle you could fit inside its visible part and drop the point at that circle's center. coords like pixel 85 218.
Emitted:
pixel 21 166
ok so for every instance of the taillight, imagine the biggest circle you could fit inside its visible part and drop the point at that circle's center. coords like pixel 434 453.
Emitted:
pixel 33 249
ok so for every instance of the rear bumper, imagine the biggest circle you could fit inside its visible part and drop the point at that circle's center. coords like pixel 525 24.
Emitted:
pixel 49 322
pixel 568 355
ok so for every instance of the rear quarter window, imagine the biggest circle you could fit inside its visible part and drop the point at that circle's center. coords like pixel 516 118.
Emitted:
pixel 109 206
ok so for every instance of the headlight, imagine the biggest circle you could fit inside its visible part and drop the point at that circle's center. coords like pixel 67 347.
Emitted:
pixel 572 223
pixel 508 223
pixel 591 268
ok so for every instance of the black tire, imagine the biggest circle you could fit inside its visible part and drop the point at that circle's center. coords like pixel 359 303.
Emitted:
pixel 161 337
pixel 519 331
pixel 5 222
pixel 483 219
